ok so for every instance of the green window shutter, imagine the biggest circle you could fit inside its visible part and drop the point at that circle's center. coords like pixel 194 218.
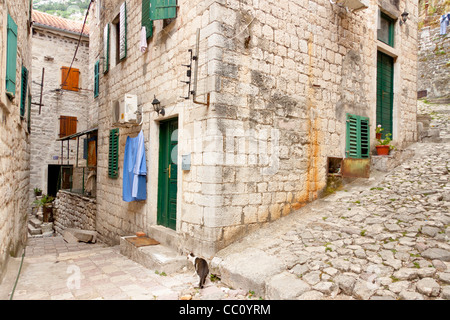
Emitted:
pixel 11 57
pixel 96 79
pixel 123 31
pixel 23 91
pixel 29 113
pixel 146 21
pixel 163 9
pixel 113 159
pixel 357 137
pixel 106 48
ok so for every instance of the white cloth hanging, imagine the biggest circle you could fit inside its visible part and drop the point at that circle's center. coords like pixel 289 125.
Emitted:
pixel 143 40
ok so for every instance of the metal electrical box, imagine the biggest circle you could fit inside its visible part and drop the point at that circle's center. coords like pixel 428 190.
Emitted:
pixel 186 162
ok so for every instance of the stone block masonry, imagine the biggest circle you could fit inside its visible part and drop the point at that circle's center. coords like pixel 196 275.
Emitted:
pixel 73 210
pixel 14 134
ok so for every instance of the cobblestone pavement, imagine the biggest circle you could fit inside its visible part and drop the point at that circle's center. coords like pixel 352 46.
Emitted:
pixel 56 270
pixel 386 237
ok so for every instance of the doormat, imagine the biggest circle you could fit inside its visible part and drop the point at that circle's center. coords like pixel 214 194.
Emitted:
pixel 142 241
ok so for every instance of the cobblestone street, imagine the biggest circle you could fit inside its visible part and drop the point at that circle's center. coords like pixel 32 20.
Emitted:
pixel 386 237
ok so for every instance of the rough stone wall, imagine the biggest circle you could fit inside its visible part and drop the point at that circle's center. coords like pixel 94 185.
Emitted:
pixel 74 211
pixel 282 75
pixel 14 139
pixel 434 62
pixel 52 50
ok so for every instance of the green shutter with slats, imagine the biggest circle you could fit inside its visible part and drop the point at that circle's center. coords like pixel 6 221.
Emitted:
pixel 106 48
pixel 97 79
pixel 113 159
pixel 23 91
pixel 145 19
pixel 385 92
pixel 123 31
pixel 357 137
pixel 29 113
pixel 11 57
pixel 163 9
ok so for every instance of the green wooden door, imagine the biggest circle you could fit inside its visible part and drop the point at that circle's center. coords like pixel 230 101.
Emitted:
pixel 385 92
pixel 167 175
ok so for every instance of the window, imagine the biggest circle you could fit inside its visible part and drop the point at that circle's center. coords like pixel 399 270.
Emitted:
pixel 11 57
pixel 69 81
pixel 357 137
pixel 386 30
pixel 67 126
pixel 119 36
pixel 97 79
pixel 113 158
pixel 106 48
pixel 23 95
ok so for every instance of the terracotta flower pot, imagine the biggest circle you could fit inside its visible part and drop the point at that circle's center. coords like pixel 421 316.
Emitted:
pixel 378 136
pixel 383 150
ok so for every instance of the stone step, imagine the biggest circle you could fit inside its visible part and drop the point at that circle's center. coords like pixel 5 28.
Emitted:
pixel 156 257
pixel 35 222
pixel 33 230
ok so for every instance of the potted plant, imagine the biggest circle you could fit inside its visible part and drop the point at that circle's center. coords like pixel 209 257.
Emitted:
pixel 37 192
pixel 378 131
pixel 384 146
pixel 46 203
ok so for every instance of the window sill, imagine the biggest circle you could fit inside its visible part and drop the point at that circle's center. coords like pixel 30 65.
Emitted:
pixel 387 49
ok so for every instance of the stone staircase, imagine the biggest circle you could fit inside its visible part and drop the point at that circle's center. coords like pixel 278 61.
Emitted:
pixel 37 228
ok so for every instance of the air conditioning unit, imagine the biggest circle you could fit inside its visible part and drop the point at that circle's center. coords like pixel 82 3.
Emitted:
pixel 130 108
pixel 125 110
pixel 354 5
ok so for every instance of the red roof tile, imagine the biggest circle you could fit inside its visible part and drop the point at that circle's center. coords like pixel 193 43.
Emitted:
pixel 59 23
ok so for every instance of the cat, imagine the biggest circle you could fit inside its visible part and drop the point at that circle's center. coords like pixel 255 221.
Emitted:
pixel 201 268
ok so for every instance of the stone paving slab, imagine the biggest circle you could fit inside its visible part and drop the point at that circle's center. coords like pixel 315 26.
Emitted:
pixel 55 270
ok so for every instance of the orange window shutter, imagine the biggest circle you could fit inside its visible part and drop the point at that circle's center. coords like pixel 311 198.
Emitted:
pixel 64 78
pixel 74 78
pixel 62 126
pixel 72 125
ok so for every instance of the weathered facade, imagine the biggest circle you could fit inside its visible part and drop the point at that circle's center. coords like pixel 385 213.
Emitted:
pixel 65 108
pixel 15 83
pixel 277 86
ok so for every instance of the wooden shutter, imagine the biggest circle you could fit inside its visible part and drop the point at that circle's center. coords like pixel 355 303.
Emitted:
pixel 113 158
pixel 24 87
pixel 106 48
pixel 123 31
pixel 67 126
pixel 357 137
pixel 70 82
pixel 11 57
pixel 146 21
pixel 96 79
pixel 29 113
pixel 163 9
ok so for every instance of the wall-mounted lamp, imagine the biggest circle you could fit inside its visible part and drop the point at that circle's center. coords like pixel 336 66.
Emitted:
pixel 157 106
pixel 404 17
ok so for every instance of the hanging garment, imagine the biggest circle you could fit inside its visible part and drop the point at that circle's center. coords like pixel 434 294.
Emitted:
pixel 143 40
pixel 444 20
pixel 134 169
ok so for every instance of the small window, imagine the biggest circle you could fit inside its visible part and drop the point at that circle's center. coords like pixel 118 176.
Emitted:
pixel 67 126
pixel 97 79
pixel 357 137
pixel 386 30
pixel 69 81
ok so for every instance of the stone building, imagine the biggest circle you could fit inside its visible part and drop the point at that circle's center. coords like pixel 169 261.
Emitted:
pixel 15 98
pixel 65 98
pixel 257 99
pixel 434 52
